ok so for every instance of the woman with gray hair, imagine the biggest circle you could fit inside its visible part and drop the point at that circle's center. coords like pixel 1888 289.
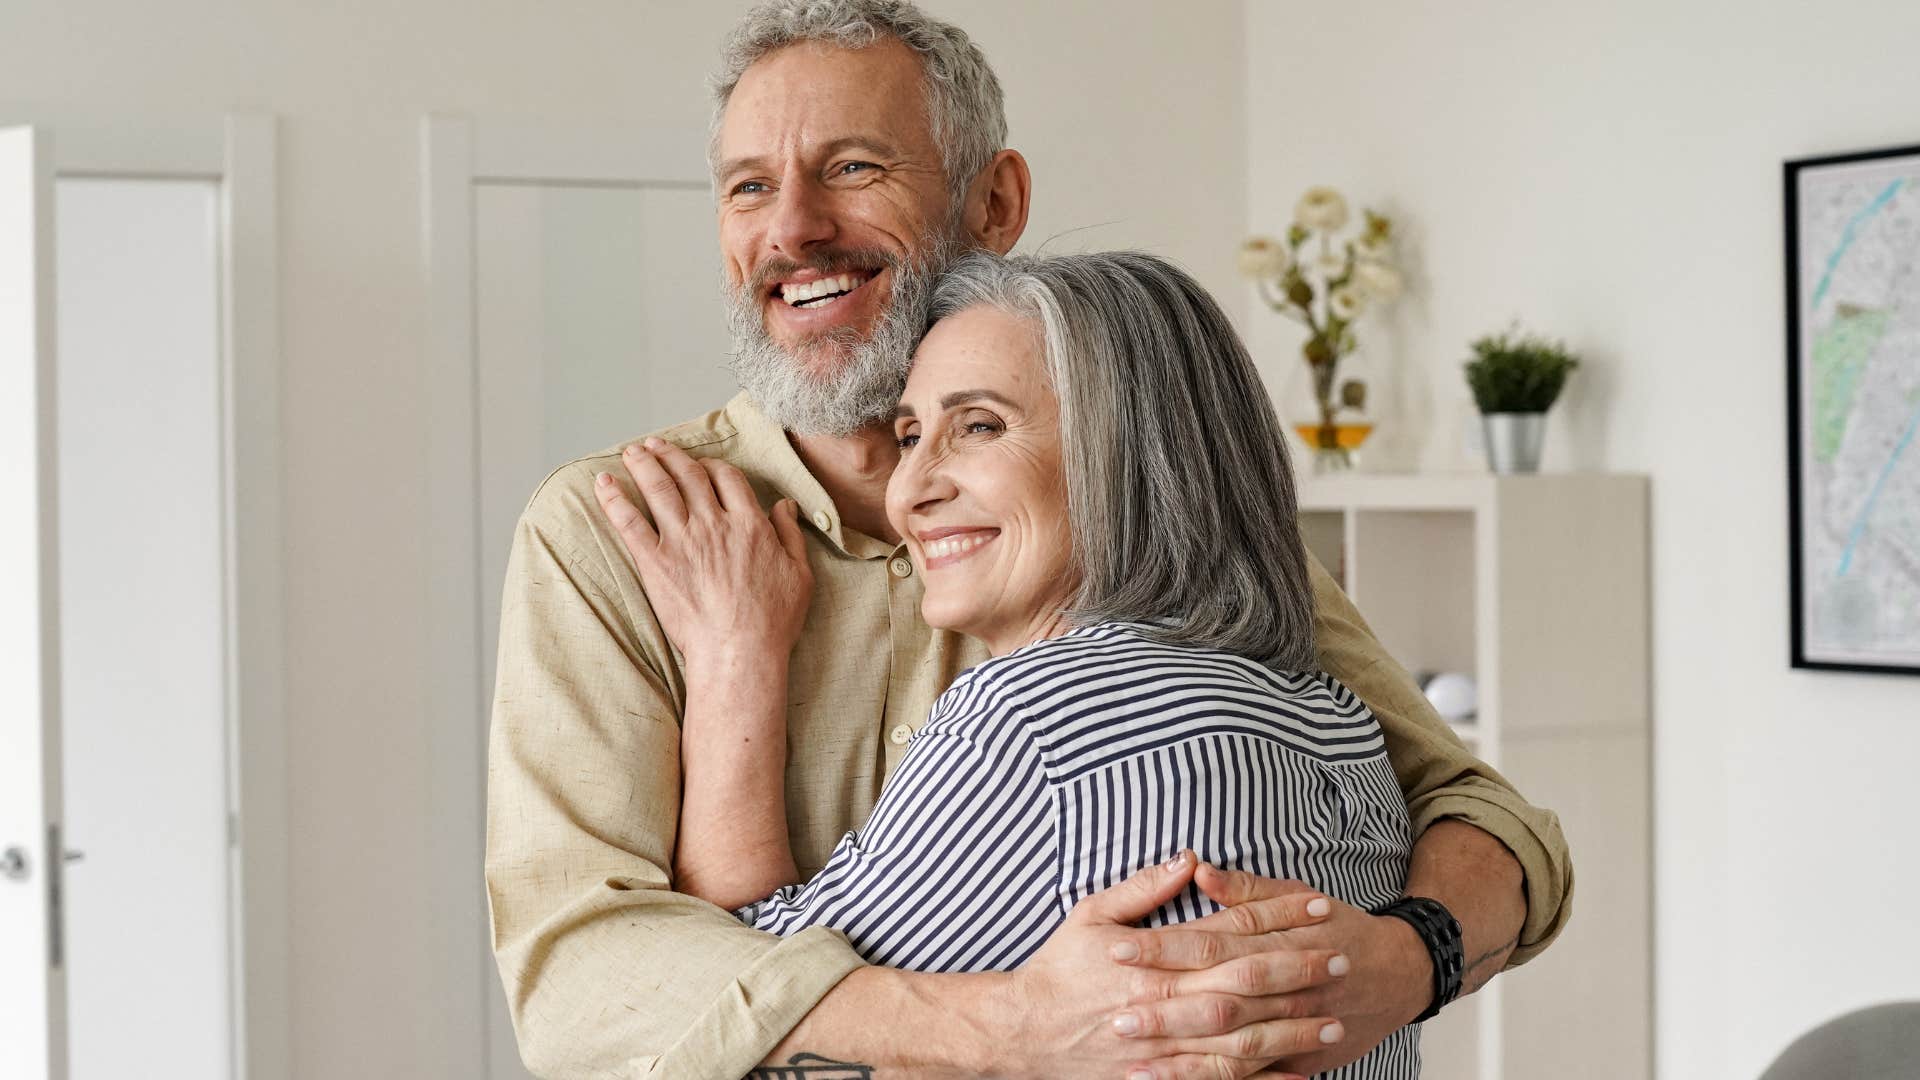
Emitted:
pixel 1092 482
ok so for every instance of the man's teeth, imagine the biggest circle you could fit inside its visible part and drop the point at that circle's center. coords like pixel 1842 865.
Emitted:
pixel 954 545
pixel 814 290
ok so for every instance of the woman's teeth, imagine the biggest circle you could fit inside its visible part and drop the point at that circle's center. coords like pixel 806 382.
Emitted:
pixel 822 292
pixel 955 545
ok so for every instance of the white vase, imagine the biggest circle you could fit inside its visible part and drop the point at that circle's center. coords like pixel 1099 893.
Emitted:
pixel 1513 441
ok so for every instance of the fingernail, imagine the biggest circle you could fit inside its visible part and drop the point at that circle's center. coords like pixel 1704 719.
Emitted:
pixel 1339 965
pixel 603 479
pixel 1126 1024
pixel 1140 1074
pixel 1124 951
pixel 1317 908
pixel 1178 862
pixel 654 443
pixel 632 450
pixel 1332 1033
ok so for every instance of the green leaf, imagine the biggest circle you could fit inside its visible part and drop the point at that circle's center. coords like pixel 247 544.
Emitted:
pixel 1516 372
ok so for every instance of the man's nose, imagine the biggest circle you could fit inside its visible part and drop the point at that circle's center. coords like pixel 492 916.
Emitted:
pixel 802 218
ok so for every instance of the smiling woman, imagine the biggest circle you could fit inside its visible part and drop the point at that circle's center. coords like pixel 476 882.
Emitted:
pixel 979 494
pixel 1179 490
pixel 1093 483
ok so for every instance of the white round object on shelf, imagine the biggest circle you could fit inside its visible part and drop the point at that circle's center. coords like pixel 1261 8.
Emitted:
pixel 1453 695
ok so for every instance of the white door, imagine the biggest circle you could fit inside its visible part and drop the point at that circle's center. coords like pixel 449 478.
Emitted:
pixel 144 705
pixel 32 995
pixel 576 303
pixel 597 318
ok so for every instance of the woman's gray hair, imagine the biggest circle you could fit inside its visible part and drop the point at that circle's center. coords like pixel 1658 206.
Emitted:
pixel 965 107
pixel 1180 494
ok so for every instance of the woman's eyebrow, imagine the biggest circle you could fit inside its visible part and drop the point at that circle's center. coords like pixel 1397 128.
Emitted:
pixel 962 397
pixel 904 411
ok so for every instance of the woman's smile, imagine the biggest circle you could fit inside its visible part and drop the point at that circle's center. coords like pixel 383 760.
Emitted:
pixel 944 547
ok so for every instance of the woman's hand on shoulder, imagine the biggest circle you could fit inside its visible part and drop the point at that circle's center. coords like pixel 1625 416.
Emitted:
pixel 728 582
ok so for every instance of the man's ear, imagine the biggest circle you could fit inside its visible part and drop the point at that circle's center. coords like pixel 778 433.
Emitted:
pixel 997 203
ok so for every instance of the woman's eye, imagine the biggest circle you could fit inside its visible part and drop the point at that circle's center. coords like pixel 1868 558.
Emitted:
pixel 907 442
pixel 982 427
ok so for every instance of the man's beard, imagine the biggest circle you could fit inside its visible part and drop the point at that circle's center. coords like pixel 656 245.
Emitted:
pixel 840 381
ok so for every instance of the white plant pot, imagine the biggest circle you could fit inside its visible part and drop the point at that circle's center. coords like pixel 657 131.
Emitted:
pixel 1513 441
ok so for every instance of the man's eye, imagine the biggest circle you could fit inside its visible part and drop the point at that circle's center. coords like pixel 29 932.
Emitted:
pixel 859 165
pixel 750 187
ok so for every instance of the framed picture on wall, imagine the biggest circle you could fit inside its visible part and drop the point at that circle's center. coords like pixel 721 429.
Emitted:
pixel 1853 409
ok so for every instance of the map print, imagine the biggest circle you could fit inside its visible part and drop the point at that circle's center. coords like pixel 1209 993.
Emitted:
pixel 1859 349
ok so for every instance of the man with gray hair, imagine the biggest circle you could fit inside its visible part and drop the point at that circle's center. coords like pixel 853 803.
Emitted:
pixel 857 145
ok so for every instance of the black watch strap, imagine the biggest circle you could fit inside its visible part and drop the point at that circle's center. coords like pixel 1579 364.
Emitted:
pixel 1441 932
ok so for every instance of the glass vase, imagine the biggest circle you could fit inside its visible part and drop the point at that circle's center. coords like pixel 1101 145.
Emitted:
pixel 1325 406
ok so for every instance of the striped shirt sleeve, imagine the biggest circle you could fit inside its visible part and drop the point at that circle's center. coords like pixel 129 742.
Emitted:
pixel 966 824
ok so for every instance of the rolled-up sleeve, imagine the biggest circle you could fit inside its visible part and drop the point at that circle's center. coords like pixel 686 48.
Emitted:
pixel 1440 777
pixel 607 971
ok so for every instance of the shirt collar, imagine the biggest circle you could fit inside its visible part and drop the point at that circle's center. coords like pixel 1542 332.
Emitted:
pixel 765 443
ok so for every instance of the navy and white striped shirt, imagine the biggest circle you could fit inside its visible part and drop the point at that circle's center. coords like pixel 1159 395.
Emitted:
pixel 1059 769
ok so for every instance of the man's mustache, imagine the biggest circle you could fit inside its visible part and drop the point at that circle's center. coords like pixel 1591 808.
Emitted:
pixel 825 261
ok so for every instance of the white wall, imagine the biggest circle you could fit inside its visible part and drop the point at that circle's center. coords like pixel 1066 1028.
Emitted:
pixel 1131 113
pixel 1611 172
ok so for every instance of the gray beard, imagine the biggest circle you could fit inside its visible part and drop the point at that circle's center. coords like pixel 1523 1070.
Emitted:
pixel 852 381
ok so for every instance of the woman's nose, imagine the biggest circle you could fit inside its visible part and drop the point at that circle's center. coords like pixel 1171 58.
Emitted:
pixel 921 483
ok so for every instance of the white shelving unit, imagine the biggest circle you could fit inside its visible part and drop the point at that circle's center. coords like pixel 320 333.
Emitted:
pixel 1538 587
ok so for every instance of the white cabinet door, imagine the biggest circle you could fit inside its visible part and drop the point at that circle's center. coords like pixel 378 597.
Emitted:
pixel 32 994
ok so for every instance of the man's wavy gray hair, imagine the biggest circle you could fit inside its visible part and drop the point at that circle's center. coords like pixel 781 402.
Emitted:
pixel 965 107
pixel 1180 496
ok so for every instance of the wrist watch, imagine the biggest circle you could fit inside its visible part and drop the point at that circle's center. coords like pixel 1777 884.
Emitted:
pixel 1441 932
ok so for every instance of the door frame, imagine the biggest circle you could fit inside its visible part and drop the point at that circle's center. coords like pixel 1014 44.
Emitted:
pixel 457 155
pixel 36 1035
pixel 238 152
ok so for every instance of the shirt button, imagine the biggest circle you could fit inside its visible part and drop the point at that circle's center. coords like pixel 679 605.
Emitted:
pixel 900 567
pixel 821 521
pixel 901 733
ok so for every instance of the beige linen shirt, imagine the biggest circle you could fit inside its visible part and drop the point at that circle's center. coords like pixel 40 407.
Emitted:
pixel 610 973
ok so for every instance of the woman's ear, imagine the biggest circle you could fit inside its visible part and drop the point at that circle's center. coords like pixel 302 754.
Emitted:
pixel 997 203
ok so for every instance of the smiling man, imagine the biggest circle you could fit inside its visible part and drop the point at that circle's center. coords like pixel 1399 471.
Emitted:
pixel 858 145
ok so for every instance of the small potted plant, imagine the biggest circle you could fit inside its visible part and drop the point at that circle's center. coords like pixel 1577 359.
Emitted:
pixel 1515 378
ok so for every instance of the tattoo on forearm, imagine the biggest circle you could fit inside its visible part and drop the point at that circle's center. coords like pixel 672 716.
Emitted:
pixel 812 1067
pixel 1486 966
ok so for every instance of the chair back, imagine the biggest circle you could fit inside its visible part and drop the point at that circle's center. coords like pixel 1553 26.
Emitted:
pixel 1879 1043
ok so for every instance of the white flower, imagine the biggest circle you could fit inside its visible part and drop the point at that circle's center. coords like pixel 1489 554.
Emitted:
pixel 1263 258
pixel 1378 280
pixel 1321 209
pixel 1346 302
pixel 1330 265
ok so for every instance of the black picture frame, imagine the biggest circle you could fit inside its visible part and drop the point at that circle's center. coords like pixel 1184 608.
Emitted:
pixel 1808 653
